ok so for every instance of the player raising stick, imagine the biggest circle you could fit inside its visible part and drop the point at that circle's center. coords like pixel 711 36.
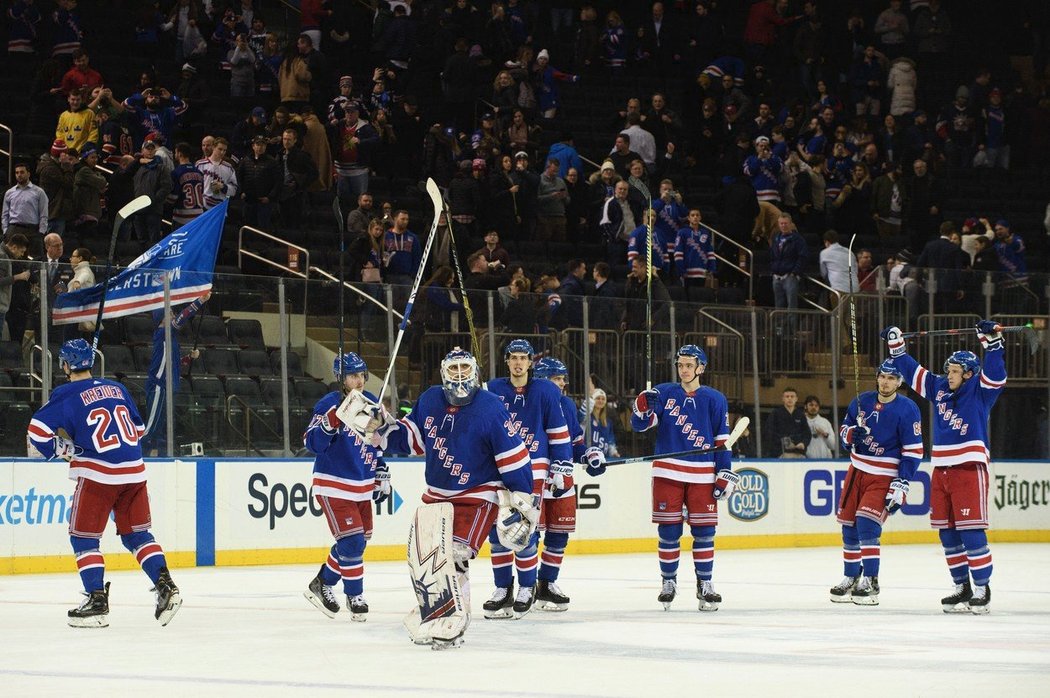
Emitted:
pixel 535 409
pixel 474 458
pixel 349 473
pixel 962 401
pixel 94 425
pixel 558 516
pixel 883 431
pixel 687 415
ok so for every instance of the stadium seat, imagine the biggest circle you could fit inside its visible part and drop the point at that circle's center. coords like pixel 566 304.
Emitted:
pixel 253 362
pixel 220 362
pixel 246 334
pixel 309 391
pixel 138 329
pixel 118 360
pixel 295 364
pixel 212 332
pixel 11 355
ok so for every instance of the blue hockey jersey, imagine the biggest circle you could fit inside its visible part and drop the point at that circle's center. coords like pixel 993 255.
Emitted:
pixel 670 216
pixel 536 413
pixel 345 465
pixel 687 421
pixel 765 176
pixel 960 419
pixel 639 241
pixel 694 255
pixel 101 419
pixel 472 452
pixel 894 447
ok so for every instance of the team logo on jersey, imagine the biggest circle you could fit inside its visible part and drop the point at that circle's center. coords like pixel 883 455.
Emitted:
pixel 750 500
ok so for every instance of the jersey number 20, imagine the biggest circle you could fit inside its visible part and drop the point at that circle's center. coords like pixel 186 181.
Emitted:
pixel 125 431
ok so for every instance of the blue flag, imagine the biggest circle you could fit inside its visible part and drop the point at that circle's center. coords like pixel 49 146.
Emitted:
pixel 188 255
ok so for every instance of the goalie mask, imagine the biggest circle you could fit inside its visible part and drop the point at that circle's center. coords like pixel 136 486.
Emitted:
pixel 459 377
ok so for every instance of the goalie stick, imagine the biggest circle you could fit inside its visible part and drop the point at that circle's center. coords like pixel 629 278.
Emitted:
pixel 734 436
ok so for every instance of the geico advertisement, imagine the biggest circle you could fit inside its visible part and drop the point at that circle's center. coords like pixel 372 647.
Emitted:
pixel 36 499
pixel 268 504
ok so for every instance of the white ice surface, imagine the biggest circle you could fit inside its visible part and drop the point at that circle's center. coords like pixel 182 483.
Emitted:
pixel 247 631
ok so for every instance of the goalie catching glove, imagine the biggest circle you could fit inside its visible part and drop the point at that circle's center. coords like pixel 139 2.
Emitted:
pixel 364 416
pixel 896 495
pixel 725 482
pixel 594 458
pixel 518 517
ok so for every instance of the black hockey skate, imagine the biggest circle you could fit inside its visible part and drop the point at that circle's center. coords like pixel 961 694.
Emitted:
pixel 866 591
pixel 959 600
pixel 501 604
pixel 707 596
pixel 667 593
pixel 843 591
pixel 93 612
pixel 549 597
pixel 523 601
pixel 981 601
pixel 322 596
pixel 168 598
pixel 358 608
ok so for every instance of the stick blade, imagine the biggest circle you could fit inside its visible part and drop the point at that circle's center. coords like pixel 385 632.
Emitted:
pixel 435 196
pixel 738 430
pixel 134 206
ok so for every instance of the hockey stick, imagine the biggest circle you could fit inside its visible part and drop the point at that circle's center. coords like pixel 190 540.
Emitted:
pixel 853 326
pixel 129 209
pixel 734 436
pixel 1030 335
pixel 649 296
pixel 475 345
pixel 435 199
pixel 337 211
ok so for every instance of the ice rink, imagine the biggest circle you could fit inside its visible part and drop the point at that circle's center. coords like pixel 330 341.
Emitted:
pixel 248 631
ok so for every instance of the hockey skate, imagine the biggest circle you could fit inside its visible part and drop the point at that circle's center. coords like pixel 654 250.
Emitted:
pixel 322 596
pixel 93 612
pixel 168 598
pixel 501 604
pixel 549 597
pixel 667 593
pixel 523 601
pixel 358 608
pixel 981 601
pixel 866 591
pixel 959 600
pixel 706 594
pixel 843 591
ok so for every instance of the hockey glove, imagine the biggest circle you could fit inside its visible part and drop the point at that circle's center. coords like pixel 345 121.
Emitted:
pixel 595 459
pixel 559 478
pixel 990 334
pixel 519 514
pixel 894 341
pixel 382 485
pixel 66 449
pixel 855 434
pixel 895 496
pixel 725 482
pixel 330 422
pixel 644 403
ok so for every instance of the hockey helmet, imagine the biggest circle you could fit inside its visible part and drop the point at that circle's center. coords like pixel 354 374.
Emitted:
pixel 518 346
pixel 78 354
pixel 693 351
pixel 459 377
pixel 966 359
pixel 548 367
pixel 889 368
pixel 349 363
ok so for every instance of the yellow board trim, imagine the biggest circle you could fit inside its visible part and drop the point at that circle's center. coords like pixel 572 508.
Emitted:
pixel 390 553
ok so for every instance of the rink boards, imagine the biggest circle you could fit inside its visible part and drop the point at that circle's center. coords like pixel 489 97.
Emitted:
pixel 259 511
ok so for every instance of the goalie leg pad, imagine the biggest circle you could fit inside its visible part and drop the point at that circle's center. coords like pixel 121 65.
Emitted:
pixel 443 611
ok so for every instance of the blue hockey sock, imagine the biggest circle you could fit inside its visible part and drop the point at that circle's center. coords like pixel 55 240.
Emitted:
pixel 90 563
pixel 670 548
pixel 351 550
pixel 955 555
pixel 869 532
pixel 850 551
pixel 147 551
pixel 331 570
pixel 978 556
pixel 553 552
pixel 527 562
pixel 703 551
pixel 502 562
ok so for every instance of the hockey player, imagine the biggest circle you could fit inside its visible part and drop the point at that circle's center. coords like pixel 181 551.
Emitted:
pixel 349 473
pixel 473 454
pixel 94 425
pixel 558 515
pixel 535 409
pixel 884 435
pixel 962 401
pixel 687 416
